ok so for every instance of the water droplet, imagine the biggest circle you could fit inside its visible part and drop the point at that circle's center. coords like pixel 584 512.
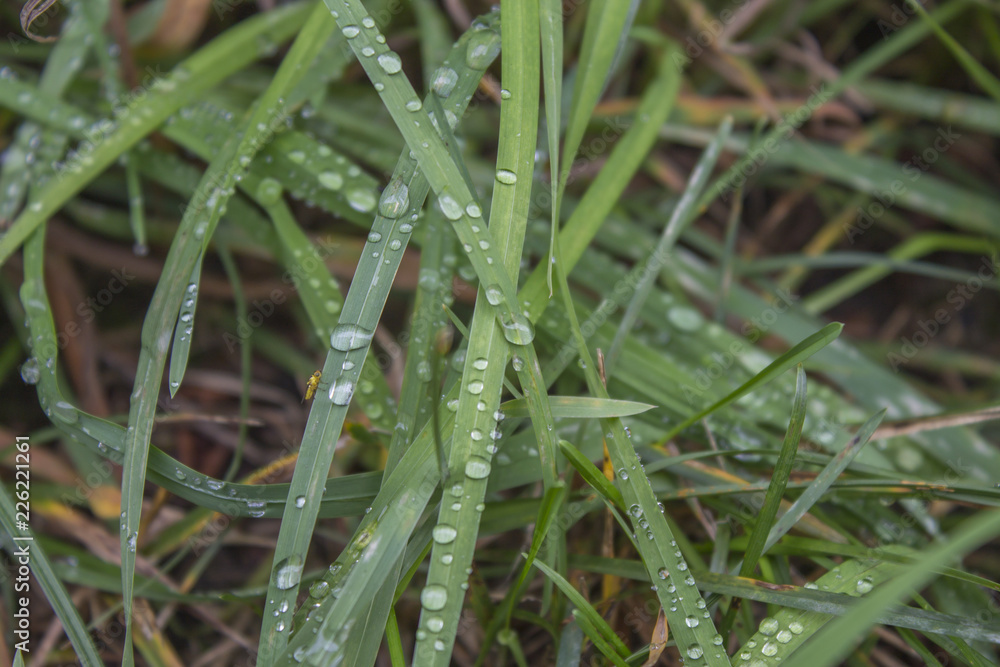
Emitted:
pixel 395 200
pixel 769 626
pixel 482 49
pixel 662 573
pixel 30 372
pixel 368 52
pixel 517 328
pixel 435 624
pixel 717 640
pixel 269 191
pixel 434 597
pixel 477 468
pixel 622 474
pixel 390 62
pixel 341 391
pixel 475 387
pixel 796 627
pixel 374 237
pixel 691 622
pixel 685 319
pixel 331 180
pixel 361 199
pixel 694 651
pixel 444 81
pixel 319 590
pixel 300 501
pixel 480 364
pixel 351 31
pixel 346 337
pixel 865 585
pixel 180 474
pixel 506 176
pixel 474 210
pixel 451 208
pixel 494 295
pixel 504 94
pixel 288 572
pixel 770 649
pixel 443 533
pixel 784 636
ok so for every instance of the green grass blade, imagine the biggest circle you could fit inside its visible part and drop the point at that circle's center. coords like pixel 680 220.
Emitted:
pixel 180 349
pixel 779 478
pixel 604 34
pixel 586 611
pixel 986 80
pixel 398 209
pixel 189 79
pixel 682 216
pixel 482 380
pixel 196 229
pixel 797 354
pixel 551 26
pixel 821 484
pixel 578 407
pixel 592 210
pixel 590 473
pixel 836 640
pixel 24 549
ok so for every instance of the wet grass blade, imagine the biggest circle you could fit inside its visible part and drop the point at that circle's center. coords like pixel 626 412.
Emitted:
pixel 797 354
pixel 835 641
pixel 779 478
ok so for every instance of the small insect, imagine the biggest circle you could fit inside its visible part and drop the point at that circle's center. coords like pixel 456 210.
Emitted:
pixel 311 385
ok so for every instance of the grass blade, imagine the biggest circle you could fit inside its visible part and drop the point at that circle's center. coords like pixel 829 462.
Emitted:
pixel 798 353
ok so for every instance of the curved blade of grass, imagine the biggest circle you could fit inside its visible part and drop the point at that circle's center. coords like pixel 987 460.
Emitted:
pixel 578 407
pixel 682 216
pixel 196 228
pixel 835 641
pixel 779 478
pixel 186 83
pixel 24 549
pixel 600 627
pixel 797 354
